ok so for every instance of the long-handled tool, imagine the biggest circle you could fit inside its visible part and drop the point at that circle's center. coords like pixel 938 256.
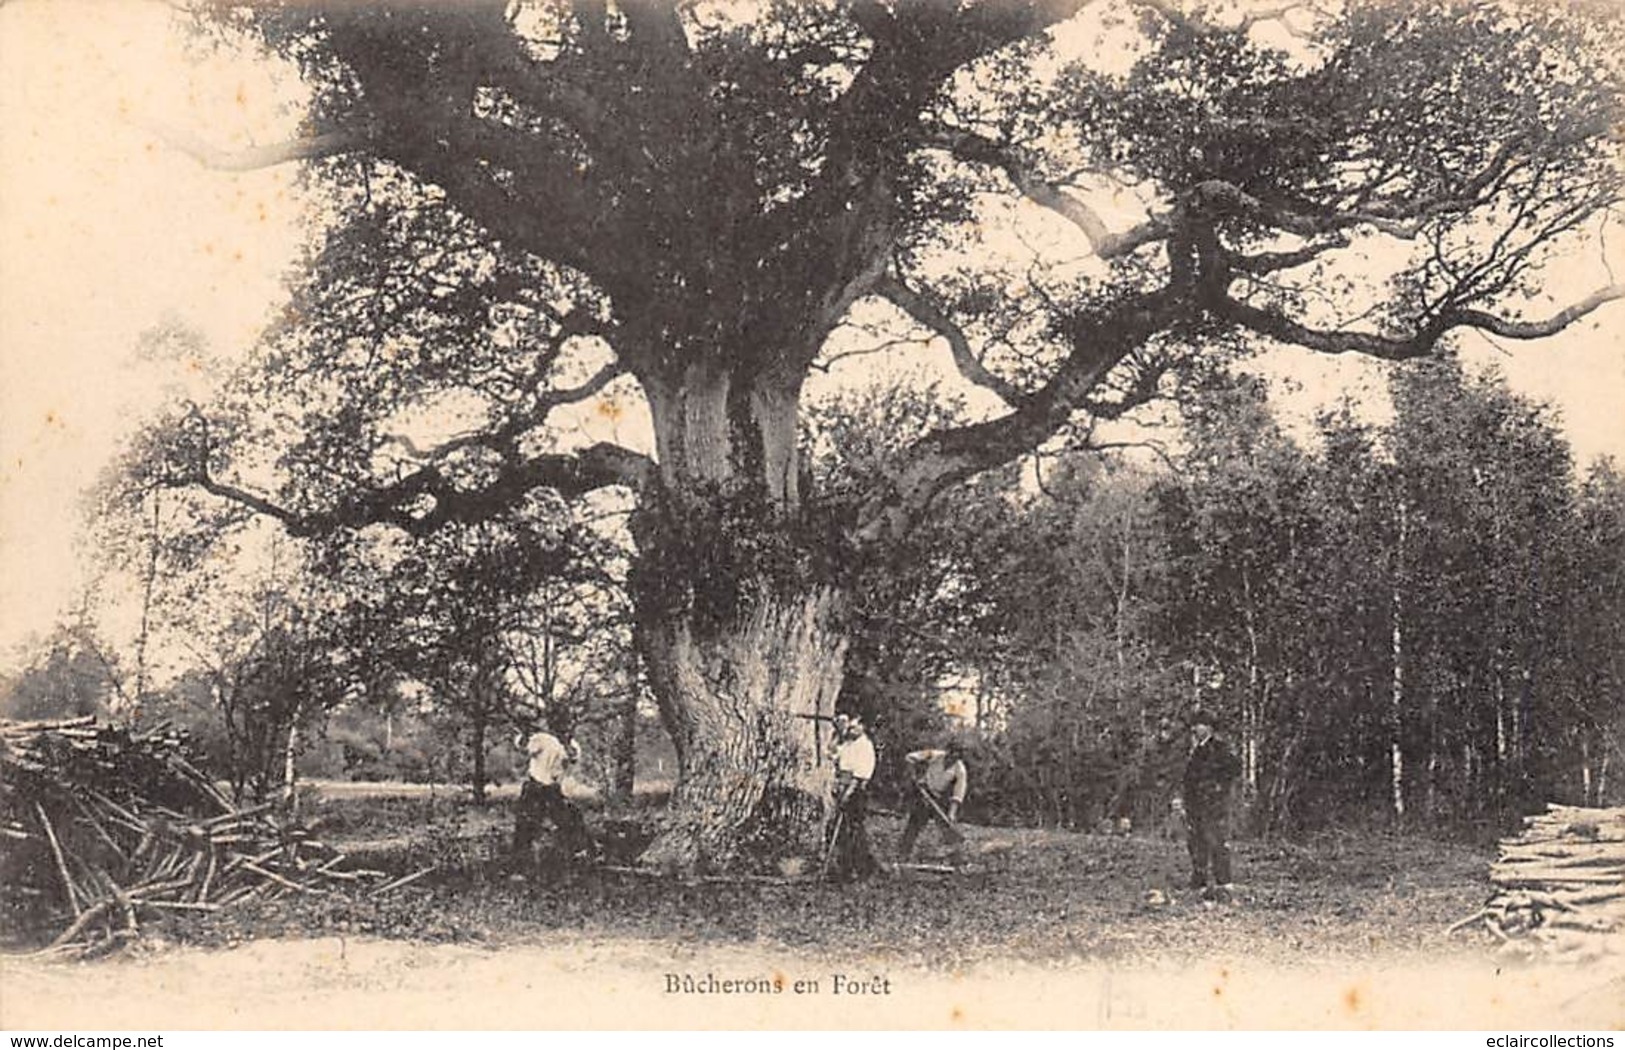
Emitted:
pixel 955 836
pixel 829 846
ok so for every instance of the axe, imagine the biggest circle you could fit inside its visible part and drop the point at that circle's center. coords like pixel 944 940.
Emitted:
pixel 955 836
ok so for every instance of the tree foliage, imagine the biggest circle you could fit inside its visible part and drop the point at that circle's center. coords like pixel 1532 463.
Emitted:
pixel 539 205
pixel 709 193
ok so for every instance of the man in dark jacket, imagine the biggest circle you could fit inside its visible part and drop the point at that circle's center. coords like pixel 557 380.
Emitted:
pixel 1210 769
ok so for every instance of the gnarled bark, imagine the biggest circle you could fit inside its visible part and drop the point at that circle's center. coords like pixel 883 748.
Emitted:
pixel 741 703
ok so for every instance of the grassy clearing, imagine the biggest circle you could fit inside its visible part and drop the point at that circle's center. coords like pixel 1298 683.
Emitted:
pixel 1034 896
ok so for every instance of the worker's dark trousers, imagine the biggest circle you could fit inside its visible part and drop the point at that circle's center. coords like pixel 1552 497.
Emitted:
pixel 539 802
pixel 919 815
pixel 853 857
pixel 1207 835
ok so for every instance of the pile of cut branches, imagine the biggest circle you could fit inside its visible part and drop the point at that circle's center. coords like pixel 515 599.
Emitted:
pixel 104 828
pixel 1560 886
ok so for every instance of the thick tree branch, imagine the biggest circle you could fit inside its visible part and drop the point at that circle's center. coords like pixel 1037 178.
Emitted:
pixel 1258 13
pixel 425 499
pixel 562 214
pixel 1514 329
pixel 658 25
pixel 500 439
pixel 1144 388
pixel 254 502
pixel 1278 13
pixel 602 120
pixel 978 149
pixel 1217 198
pixel 1262 263
pixel 255 158
pixel 838 235
pixel 1100 341
pixel 576 394
pixel 1402 219
pixel 927 313
pixel 1104 340
pixel 535 87
pixel 552 210
pixel 1419 344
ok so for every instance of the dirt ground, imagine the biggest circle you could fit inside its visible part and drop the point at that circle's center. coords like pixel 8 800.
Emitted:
pixel 371 984
pixel 1031 929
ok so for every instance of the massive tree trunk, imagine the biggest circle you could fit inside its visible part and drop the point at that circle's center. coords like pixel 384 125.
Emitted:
pixel 739 622
pixel 742 703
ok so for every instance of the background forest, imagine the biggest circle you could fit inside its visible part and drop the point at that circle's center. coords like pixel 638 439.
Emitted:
pixel 1414 621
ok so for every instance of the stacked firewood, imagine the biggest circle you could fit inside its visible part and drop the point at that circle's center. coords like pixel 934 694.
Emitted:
pixel 1560 886
pixel 102 828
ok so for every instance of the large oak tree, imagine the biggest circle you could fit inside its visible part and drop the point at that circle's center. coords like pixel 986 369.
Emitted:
pixel 702 194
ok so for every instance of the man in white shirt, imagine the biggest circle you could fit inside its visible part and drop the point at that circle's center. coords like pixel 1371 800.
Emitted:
pixel 542 796
pixel 942 774
pixel 854 768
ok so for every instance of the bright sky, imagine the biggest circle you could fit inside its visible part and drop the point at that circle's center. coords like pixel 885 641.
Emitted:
pixel 109 232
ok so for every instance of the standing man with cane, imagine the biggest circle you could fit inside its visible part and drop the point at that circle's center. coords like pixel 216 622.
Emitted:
pixel 1209 770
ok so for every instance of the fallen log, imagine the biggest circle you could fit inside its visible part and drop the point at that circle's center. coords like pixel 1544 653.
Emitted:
pixel 70 890
pixel 1561 851
pixel 1513 876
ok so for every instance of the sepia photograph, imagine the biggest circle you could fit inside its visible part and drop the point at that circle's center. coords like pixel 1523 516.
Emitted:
pixel 812 514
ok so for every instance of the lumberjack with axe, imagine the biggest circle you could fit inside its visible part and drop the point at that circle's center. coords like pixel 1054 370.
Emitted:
pixel 548 754
pixel 940 782
pixel 847 854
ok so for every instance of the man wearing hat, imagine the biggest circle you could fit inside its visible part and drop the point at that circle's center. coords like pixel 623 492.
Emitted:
pixel 1210 769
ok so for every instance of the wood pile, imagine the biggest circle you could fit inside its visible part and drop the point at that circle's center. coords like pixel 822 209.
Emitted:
pixel 1560 886
pixel 102 828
